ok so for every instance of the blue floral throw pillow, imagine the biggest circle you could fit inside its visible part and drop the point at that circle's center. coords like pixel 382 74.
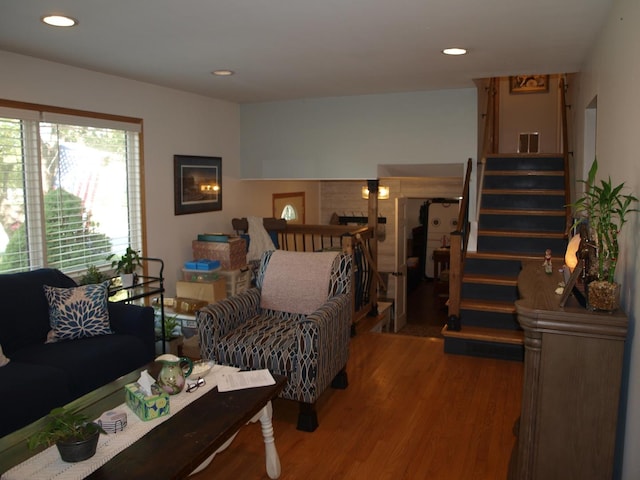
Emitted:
pixel 78 312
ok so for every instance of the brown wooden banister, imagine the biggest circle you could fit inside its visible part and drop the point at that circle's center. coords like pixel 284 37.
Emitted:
pixel 490 137
pixel 459 242
pixel 565 153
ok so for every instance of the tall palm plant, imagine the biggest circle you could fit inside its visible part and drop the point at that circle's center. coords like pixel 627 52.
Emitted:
pixel 606 209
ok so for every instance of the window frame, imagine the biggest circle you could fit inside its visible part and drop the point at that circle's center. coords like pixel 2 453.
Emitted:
pixel 61 115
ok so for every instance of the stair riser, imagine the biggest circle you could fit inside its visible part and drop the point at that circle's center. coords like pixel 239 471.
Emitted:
pixel 539 164
pixel 526 245
pixel 492 267
pixel 476 348
pixel 523 202
pixel 489 292
pixel 527 223
pixel 528 182
pixel 480 318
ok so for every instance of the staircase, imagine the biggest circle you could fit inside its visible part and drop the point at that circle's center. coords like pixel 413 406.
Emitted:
pixel 522 213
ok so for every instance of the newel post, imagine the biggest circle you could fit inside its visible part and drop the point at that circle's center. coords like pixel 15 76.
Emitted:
pixel 373 185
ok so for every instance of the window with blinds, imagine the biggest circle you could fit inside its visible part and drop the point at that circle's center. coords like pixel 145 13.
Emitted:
pixel 70 191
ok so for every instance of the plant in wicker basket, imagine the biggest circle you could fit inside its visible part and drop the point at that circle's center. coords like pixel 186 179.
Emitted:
pixel 605 207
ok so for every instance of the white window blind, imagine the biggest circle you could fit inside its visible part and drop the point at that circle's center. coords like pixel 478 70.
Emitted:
pixel 69 190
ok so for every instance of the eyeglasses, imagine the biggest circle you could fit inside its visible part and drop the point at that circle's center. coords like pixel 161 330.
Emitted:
pixel 192 387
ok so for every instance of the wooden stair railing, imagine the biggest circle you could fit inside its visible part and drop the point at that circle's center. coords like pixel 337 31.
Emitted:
pixel 459 242
pixel 565 152
pixel 349 239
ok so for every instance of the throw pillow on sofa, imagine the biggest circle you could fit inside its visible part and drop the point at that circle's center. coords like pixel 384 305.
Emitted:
pixel 3 359
pixel 78 312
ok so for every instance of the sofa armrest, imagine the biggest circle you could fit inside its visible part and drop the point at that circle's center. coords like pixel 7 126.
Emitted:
pixel 330 328
pixel 217 319
pixel 134 320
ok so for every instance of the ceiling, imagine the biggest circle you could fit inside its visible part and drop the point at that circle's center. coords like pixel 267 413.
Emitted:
pixel 289 49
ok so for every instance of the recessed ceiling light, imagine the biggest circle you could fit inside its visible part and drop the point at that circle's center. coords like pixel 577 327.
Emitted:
pixel 223 73
pixel 454 51
pixel 59 21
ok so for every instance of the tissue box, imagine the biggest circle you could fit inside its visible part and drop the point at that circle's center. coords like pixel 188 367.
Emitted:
pixel 146 407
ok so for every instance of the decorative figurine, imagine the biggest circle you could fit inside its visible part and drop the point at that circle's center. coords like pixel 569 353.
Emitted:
pixel 548 268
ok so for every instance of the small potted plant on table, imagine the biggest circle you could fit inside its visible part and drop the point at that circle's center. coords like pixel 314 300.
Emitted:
pixel 172 339
pixel 75 437
pixel 605 208
pixel 126 266
pixel 92 276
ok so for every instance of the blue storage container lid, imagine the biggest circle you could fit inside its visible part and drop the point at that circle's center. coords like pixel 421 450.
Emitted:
pixel 207 264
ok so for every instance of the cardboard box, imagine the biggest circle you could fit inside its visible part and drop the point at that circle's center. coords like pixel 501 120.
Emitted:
pixel 210 292
pixel 188 306
pixel 146 407
pixel 231 254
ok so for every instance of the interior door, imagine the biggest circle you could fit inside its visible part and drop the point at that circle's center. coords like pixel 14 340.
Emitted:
pixel 400 271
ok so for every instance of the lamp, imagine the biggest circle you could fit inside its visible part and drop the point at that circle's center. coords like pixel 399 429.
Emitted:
pixel 383 192
pixel 570 256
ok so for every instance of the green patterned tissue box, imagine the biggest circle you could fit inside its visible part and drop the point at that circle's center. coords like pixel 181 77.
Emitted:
pixel 147 407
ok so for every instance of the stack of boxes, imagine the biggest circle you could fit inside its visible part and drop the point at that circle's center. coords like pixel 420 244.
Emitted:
pixel 200 281
pixel 220 270
pixel 231 252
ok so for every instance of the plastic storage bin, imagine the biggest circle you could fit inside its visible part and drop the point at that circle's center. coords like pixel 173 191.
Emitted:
pixel 237 280
pixel 191 275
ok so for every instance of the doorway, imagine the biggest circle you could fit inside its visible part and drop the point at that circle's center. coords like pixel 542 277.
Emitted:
pixel 430 222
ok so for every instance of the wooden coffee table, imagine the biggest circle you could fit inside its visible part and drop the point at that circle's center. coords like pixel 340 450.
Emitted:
pixel 175 448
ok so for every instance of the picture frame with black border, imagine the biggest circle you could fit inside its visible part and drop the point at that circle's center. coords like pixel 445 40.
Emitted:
pixel 197 184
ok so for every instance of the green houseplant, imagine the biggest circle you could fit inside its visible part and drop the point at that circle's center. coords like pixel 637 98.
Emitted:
pixel 126 265
pixel 172 340
pixel 605 208
pixel 74 435
pixel 93 275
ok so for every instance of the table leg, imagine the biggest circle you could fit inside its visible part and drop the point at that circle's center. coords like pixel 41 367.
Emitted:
pixel 273 461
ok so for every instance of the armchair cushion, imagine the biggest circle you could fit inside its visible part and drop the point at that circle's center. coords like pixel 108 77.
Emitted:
pixel 261 342
pixel 297 282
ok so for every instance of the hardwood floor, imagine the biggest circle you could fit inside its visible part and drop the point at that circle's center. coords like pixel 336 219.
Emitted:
pixel 410 412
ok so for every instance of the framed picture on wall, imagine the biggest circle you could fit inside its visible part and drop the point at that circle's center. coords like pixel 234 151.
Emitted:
pixel 529 84
pixel 197 184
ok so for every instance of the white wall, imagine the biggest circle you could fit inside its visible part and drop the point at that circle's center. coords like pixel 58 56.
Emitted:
pixel 611 74
pixel 347 137
pixel 542 117
pixel 174 123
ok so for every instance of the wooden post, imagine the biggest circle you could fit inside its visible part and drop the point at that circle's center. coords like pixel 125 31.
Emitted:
pixel 373 243
pixel 455 280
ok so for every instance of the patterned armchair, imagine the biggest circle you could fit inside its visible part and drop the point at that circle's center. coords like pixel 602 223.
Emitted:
pixel 296 322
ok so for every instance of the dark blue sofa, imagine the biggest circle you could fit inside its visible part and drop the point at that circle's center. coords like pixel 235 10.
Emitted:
pixel 41 376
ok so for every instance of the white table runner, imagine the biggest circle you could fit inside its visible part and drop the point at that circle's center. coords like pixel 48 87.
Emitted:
pixel 47 464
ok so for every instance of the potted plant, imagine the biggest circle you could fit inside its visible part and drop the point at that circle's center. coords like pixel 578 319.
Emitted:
pixel 93 275
pixel 126 266
pixel 172 338
pixel 75 437
pixel 605 208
